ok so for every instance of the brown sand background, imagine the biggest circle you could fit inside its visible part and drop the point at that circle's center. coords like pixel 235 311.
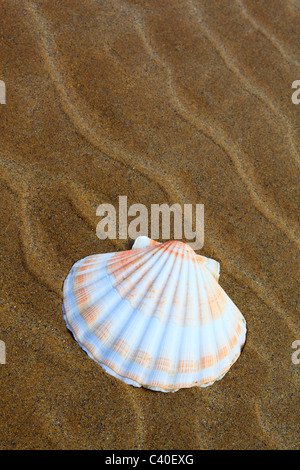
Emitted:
pixel 162 101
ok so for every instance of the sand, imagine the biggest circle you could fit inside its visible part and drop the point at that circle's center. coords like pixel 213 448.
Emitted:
pixel 164 102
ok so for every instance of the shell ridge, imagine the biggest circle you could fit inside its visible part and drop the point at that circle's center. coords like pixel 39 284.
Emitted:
pixel 83 264
pixel 122 272
pixel 124 326
pixel 215 291
pixel 131 255
pixel 181 360
pixel 234 335
pixel 88 286
pixel 211 265
pixel 154 318
pixel 227 309
pixel 147 320
pixel 121 332
pixel 125 277
pixel 205 354
pixel 126 293
pixel 119 345
pixel 216 356
pixel 171 370
pixel 200 331
pixel 144 241
pixel 84 334
pixel 237 337
pixel 89 334
pixel 169 328
pixel 196 370
pixel 83 293
pixel 105 317
pixel 82 273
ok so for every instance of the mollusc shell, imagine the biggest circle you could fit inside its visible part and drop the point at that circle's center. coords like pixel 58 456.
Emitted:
pixel 154 316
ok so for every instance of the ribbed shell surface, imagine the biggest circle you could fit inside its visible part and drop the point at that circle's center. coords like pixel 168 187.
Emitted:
pixel 154 316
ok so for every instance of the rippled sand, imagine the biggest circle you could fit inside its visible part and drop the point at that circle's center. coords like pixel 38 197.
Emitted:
pixel 162 101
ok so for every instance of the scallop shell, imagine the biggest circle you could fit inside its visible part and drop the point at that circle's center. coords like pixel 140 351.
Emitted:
pixel 154 316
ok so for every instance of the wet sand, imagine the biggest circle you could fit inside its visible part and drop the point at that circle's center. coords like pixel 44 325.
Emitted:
pixel 164 102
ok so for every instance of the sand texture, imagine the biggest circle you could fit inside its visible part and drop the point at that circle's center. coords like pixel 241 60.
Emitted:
pixel 164 102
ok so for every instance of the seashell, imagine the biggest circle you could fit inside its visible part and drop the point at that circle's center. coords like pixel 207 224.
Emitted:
pixel 154 316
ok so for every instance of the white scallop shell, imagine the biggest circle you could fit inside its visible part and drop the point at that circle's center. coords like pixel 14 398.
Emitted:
pixel 154 316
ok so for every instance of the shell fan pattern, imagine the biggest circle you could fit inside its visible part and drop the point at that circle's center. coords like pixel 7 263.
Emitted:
pixel 154 316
